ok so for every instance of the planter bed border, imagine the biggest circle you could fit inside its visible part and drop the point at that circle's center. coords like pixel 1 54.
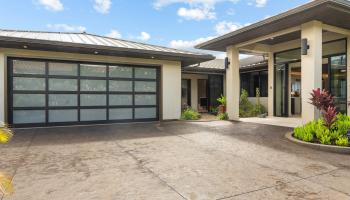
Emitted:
pixel 322 147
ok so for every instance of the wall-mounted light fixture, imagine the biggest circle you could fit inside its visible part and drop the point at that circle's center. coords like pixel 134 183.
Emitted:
pixel 227 63
pixel 304 46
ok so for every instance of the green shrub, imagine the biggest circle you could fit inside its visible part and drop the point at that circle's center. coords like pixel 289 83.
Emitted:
pixel 304 133
pixel 325 139
pixel 223 116
pixel 190 114
pixel 342 141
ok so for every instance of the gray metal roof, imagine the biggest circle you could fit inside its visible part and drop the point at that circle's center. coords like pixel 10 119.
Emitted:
pixel 218 65
pixel 332 12
pixel 95 42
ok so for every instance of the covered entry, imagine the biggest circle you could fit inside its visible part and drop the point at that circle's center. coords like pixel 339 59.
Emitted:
pixel 54 92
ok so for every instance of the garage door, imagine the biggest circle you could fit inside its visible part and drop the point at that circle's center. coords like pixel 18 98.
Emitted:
pixel 50 93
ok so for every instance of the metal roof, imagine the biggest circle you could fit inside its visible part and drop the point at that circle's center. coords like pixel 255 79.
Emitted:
pixel 332 12
pixel 90 43
pixel 218 65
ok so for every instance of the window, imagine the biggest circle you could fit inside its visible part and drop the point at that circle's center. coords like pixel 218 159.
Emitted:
pixel 252 80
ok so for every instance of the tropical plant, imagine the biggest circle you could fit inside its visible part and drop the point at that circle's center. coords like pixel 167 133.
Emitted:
pixel 5 180
pixel 246 108
pixel 304 133
pixel 329 116
pixel 190 114
pixel 222 100
pixel 223 116
pixel 342 141
pixel 321 99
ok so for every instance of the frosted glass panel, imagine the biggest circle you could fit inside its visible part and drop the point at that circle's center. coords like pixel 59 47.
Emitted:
pixel 145 99
pixel 63 115
pixel 120 86
pixel 28 100
pixel 28 67
pixel 93 70
pixel 120 99
pixel 63 84
pixel 145 86
pixel 63 100
pixel 92 100
pixel 143 113
pixel 67 69
pixel 150 73
pixel 28 116
pixel 20 83
pixel 120 72
pixel 120 113
pixel 92 114
pixel 92 85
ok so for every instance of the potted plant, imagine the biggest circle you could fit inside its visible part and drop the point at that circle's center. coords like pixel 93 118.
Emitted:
pixel 222 107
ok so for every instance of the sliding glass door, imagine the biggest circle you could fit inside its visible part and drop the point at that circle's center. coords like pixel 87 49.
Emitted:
pixel 281 90
pixel 338 81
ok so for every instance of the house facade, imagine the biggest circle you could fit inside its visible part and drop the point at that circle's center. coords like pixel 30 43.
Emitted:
pixel 306 47
pixel 50 79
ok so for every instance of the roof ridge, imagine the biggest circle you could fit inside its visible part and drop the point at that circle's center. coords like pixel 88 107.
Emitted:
pixel 102 36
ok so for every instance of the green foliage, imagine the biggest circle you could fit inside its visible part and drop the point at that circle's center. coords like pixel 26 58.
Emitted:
pixel 342 141
pixel 222 100
pixel 325 139
pixel 223 116
pixel 190 114
pixel 304 133
pixel 214 110
pixel 322 134
pixel 248 109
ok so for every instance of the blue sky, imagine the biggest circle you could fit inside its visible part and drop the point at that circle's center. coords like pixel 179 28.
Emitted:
pixel 173 23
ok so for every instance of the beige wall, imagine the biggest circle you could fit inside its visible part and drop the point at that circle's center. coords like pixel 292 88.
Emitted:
pixel 194 87
pixel 170 106
pixel 263 100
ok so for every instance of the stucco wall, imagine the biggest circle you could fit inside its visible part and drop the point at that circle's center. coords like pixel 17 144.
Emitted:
pixel 194 87
pixel 170 104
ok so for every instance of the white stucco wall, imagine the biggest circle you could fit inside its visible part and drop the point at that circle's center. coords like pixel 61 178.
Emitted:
pixel 170 93
pixel 263 100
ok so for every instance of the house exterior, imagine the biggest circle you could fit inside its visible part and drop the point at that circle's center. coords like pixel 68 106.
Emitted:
pixel 202 84
pixel 306 47
pixel 53 78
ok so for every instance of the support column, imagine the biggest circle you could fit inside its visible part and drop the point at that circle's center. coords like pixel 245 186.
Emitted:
pixel 348 72
pixel 3 90
pixel 311 67
pixel 271 76
pixel 233 83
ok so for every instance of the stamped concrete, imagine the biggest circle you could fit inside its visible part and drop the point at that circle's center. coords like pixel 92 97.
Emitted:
pixel 172 160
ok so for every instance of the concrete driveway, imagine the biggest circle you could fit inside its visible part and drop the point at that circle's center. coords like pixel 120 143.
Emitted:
pixel 173 160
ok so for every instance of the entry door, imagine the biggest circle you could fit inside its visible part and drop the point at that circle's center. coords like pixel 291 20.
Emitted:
pixel 281 90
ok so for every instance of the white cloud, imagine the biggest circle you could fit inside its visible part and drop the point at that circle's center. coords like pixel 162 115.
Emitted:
pixel 224 27
pixel 53 5
pixel 144 36
pixel 196 14
pixel 102 6
pixel 260 3
pixel 66 27
pixel 198 9
pixel 188 44
pixel 114 34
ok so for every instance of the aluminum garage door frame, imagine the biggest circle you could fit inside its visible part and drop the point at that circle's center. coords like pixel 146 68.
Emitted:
pixel 42 92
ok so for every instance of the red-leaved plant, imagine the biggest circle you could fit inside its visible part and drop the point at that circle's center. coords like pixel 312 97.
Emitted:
pixel 323 101
pixel 329 116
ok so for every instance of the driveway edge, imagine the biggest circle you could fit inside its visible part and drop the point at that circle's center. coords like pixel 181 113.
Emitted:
pixel 322 147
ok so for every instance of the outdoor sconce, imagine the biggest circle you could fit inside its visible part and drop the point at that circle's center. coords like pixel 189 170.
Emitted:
pixel 304 46
pixel 227 63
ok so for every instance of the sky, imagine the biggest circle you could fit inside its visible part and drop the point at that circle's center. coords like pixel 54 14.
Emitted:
pixel 178 24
